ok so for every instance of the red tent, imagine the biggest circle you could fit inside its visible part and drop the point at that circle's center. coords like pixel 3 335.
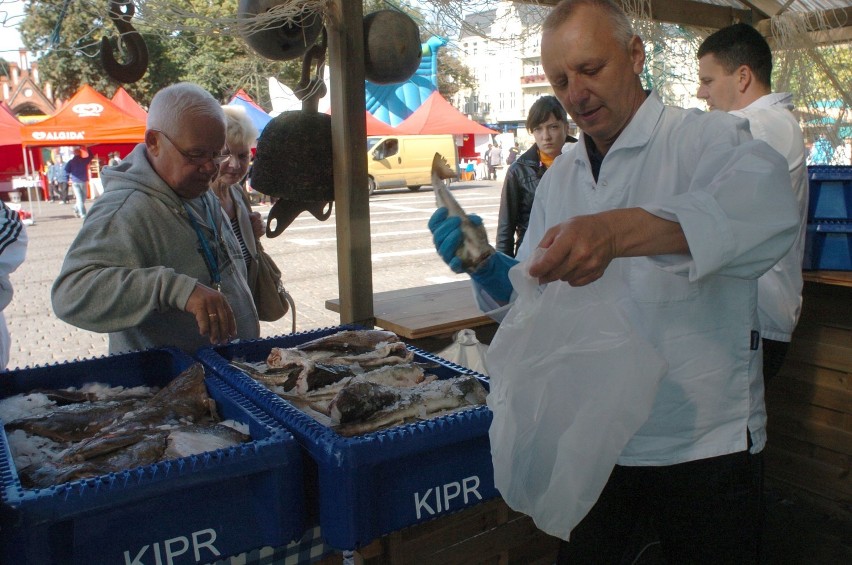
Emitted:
pixel 126 102
pixel 11 155
pixel 10 127
pixel 87 118
pixel 375 126
pixel 437 116
pixel 245 96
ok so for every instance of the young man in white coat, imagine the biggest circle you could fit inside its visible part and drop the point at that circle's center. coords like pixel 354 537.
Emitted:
pixel 734 69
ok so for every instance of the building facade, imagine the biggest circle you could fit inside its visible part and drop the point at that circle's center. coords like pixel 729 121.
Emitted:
pixel 502 49
pixel 23 91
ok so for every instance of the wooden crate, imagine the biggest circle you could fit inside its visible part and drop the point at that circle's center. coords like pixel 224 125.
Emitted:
pixel 809 404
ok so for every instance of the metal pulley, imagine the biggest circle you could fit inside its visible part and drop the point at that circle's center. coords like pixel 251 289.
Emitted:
pixel 294 157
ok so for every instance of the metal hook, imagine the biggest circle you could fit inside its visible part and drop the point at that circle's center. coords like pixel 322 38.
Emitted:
pixel 310 90
pixel 121 12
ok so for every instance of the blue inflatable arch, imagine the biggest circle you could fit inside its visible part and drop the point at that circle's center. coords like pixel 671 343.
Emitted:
pixel 392 103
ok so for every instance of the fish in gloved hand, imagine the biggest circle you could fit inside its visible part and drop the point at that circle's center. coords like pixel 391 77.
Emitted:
pixel 473 249
pixel 461 240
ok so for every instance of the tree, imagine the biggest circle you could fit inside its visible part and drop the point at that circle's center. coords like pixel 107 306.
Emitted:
pixel 200 44
pixel 189 49
pixel 68 45
pixel 454 75
pixel 821 80
pixel 222 62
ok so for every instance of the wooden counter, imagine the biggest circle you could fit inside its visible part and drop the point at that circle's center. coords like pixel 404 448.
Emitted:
pixel 837 278
pixel 809 403
pixel 425 311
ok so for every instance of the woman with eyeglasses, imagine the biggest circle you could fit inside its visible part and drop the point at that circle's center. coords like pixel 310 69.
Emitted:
pixel 240 136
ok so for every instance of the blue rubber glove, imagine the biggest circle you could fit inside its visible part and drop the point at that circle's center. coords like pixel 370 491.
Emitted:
pixel 447 235
pixel 493 276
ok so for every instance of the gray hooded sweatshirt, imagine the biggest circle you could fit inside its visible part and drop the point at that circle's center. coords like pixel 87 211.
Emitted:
pixel 137 259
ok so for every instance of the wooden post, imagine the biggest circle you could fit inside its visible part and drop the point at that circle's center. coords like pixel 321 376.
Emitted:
pixel 349 145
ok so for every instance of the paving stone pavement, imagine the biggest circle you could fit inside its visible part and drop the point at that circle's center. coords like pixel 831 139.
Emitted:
pixel 38 336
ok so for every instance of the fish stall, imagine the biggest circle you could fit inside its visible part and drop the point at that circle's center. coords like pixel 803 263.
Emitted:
pixel 298 447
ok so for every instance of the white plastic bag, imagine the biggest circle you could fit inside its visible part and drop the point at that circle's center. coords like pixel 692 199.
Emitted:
pixel 467 351
pixel 571 382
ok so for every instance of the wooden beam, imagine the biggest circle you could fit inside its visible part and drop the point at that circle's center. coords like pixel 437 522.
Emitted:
pixel 825 37
pixel 828 21
pixel 698 14
pixel 349 145
pixel 688 12
pixel 766 8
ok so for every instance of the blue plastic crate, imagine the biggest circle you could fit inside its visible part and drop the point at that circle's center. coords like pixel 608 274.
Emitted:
pixel 195 509
pixel 828 247
pixel 829 193
pixel 377 483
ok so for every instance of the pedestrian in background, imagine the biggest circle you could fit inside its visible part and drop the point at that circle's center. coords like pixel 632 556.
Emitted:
pixel 495 159
pixel 240 136
pixel 78 175
pixel 548 124
pixel 514 151
pixel 735 75
pixel 58 180
pixel 482 165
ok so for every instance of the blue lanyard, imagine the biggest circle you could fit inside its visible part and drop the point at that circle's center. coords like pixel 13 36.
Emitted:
pixel 209 257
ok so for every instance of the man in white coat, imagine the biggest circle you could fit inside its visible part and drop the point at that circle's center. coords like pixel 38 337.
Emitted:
pixel 683 210
pixel 734 69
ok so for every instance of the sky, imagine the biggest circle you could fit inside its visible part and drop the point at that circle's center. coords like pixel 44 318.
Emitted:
pixel 11 15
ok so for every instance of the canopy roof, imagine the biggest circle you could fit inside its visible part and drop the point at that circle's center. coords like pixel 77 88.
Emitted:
pixel 86 119
pixel 255 113
pixel 126 102
pixel 375 126
pixel 245 96
pixel 436 116
pixel 10 127
pixel 828 20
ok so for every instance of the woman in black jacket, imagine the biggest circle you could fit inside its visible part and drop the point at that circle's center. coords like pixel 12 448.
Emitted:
pixel 548 123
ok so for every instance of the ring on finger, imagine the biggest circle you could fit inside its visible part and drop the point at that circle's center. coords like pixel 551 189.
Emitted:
pixel 213 315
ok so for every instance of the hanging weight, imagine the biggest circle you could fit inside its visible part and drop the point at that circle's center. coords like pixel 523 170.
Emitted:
pixel 281 42
pixel 392 48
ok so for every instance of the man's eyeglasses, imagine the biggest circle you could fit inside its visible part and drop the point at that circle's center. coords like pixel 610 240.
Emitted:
pixel 196 157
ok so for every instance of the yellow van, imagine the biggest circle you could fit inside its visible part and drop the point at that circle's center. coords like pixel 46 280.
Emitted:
pixel 394 161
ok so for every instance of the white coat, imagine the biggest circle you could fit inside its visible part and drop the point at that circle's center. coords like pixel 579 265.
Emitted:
pixel 779 290
pixel 699 310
